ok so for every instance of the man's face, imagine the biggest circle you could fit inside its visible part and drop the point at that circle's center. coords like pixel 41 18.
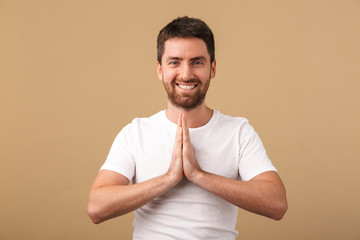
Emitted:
pixel 186 71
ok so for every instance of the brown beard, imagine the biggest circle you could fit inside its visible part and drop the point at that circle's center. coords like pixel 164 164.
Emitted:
pixel 191 101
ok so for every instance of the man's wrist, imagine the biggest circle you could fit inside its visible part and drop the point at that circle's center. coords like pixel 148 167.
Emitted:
pixel 196 176
pixel 172 179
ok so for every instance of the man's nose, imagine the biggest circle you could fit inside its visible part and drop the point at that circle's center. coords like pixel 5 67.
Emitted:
pixel 186 72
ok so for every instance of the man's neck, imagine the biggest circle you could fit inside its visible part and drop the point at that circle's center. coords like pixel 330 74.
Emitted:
pixel 196 117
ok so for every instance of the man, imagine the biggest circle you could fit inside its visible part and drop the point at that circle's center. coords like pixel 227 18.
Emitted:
pixel 191 166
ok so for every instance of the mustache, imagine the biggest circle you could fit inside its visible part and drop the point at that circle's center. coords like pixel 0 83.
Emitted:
pixel 193 80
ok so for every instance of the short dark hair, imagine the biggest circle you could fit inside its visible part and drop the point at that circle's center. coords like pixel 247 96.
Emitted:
pixel 185 27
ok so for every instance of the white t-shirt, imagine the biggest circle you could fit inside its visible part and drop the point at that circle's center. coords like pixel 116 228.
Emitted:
pixel 226 146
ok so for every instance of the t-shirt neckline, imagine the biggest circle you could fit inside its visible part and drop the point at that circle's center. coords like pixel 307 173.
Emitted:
pixel 174 125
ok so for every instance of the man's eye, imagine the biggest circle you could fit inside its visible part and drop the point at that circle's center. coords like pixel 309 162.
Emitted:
pixel 172 63
pixel 197 63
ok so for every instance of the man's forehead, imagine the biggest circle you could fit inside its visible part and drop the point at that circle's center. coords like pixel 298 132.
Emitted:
pixel 181 47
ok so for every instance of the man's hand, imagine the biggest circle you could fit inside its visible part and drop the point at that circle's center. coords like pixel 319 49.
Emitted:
pixel 191 167
pixel 176 166
pixel 183 160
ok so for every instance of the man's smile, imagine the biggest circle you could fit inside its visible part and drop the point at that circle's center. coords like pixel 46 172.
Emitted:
pixel 186 87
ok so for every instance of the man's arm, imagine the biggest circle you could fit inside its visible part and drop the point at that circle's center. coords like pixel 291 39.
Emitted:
pixel 264 194
pixel 112 196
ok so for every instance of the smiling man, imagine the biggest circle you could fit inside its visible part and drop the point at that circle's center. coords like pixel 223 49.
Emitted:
pixel 188 71
pixel 190 166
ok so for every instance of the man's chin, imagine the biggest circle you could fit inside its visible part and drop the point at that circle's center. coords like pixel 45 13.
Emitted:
pixel 187 104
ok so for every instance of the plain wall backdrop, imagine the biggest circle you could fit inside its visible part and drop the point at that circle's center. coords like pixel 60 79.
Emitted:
pixel 73 73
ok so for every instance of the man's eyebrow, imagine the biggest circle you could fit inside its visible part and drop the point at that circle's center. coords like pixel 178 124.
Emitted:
pixel 202 58
pixel 173 58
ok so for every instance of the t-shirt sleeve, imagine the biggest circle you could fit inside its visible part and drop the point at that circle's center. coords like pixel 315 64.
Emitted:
pixel 120 158
pixel 253 157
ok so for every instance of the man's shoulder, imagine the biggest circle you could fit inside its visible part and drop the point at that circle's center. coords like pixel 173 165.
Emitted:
pixel 141 125
pixel 239 125
pixel 149 121
pixel 228 119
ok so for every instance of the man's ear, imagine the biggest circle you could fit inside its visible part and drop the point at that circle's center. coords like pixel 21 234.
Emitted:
pixel 159 71
pixel 213 69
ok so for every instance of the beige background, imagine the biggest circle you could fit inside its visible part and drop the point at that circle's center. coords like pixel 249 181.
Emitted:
pixel 73 73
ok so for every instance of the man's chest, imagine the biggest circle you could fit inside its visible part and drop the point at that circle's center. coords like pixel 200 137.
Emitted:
pixel 214 153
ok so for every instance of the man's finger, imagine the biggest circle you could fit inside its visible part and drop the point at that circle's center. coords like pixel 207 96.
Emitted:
pixel 185 130
pixel 179 135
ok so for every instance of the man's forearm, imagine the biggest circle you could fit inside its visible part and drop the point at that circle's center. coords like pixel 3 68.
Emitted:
pixel 109 201
pixel 264 195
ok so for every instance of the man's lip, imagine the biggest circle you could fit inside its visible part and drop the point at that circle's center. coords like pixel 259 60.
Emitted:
pixel 187 83
pixel 187 86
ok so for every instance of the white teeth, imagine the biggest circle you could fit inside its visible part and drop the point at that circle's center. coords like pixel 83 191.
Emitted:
pixel 186 86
